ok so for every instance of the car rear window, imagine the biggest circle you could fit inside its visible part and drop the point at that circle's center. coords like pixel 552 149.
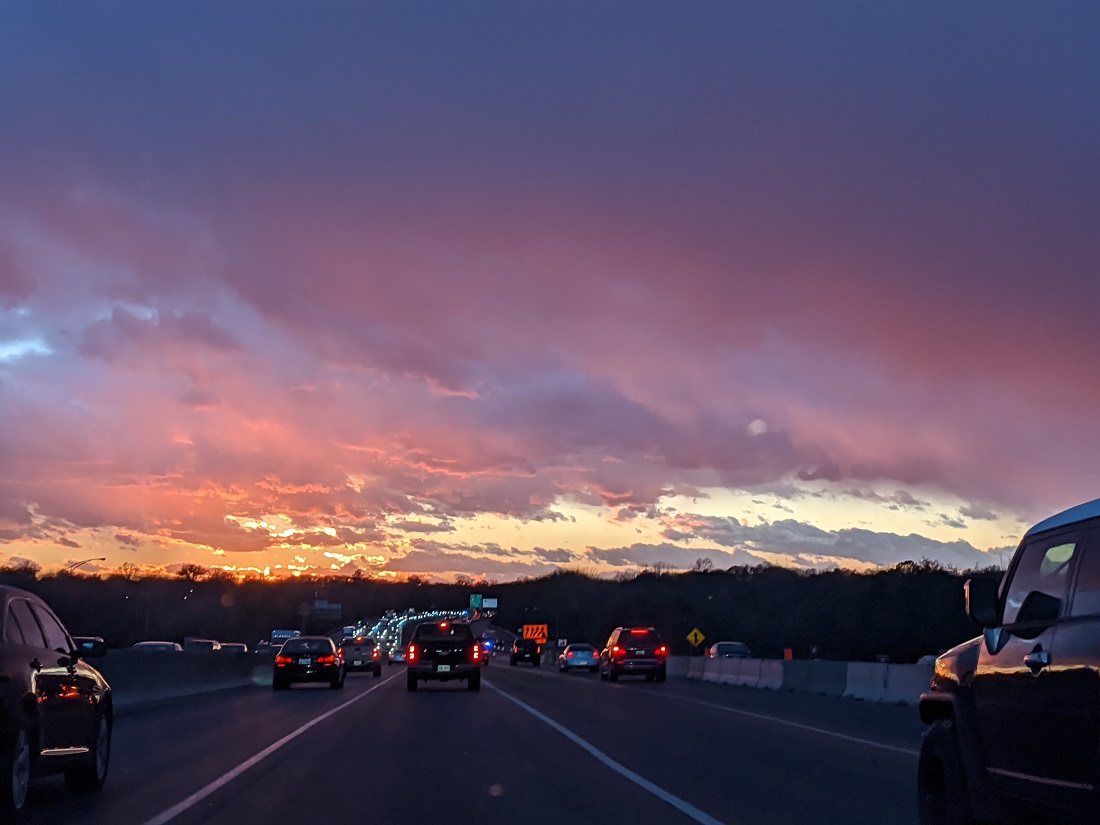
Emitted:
pixel 435 632
pixel 358 643
pixel 582 648
pixel 307 646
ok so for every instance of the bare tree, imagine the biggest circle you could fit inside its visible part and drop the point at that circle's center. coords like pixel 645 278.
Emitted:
pixel 129 571
pixel 192 572
pixel 703 565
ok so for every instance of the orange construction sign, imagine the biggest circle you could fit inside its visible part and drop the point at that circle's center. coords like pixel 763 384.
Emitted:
pixel 539 632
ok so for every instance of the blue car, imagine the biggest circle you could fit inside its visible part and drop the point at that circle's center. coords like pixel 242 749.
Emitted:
pixel 579 656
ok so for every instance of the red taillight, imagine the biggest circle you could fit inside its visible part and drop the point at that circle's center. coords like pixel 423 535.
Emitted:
pixel 327 660
pixel 638 631
pixel 283 660
pixel 618 651
pixel 569 655
pixel 662 651
pixel 443 625
pixel 411 654
pixel 475 653
pixel 375 653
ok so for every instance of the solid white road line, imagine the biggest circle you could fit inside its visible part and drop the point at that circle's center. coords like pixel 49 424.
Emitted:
pixel 763 717
pixel 219 783
pixel 676 802
pixel 858 740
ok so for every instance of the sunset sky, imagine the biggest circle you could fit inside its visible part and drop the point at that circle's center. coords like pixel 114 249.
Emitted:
pixel 495 288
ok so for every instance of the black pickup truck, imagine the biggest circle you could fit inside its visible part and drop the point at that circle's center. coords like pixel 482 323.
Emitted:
pixel 443 651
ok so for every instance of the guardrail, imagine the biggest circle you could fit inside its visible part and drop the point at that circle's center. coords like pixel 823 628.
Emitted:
pixel 870 681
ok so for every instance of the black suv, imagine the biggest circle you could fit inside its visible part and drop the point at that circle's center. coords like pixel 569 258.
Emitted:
pixel 526 650
pixel 443 651
pixel 55 710
pixel 632 651
pixel 1014 715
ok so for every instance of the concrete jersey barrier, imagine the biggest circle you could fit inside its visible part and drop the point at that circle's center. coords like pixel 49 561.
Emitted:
pixel 869 681
pixel 140 676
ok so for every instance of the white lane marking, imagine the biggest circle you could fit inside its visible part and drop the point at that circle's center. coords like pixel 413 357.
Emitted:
pixel 676 802
pixel 764 717
pixel 205 791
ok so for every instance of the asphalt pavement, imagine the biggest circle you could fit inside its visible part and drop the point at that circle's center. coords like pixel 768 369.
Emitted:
pixel 534 746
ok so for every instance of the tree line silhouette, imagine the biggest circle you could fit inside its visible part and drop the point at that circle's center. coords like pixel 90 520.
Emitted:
pixel 903 612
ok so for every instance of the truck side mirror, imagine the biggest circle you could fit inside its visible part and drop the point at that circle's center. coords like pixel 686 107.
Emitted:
pixel 981 602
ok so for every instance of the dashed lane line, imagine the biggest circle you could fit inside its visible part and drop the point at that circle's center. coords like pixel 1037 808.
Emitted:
pixel 202 793
pixel 676 802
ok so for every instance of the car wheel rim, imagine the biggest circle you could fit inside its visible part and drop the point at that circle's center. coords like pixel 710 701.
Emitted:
pixel 20 771
pixel 102 749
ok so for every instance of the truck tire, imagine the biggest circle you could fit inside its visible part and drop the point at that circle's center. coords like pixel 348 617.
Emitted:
pixel 662 674
pixel 612 675
pixel 942 795
pixel 474 682
pixel 410 683
pixel 378 671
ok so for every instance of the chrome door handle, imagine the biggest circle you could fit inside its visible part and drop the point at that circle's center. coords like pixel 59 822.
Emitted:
pixel 1037 660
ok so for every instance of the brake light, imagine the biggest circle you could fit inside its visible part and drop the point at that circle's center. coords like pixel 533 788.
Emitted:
pixel 283 660
pixel 618 651
pixel 569 655
pixel 475 653
pixel 638 631
pixel 662 651
pixel 327 660
pixel 443 625
pixel 411 653
pixel 375 653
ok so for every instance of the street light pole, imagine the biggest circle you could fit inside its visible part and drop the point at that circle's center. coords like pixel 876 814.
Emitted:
pixel 77 564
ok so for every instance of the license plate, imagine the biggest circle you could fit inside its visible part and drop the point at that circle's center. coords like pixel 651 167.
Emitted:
pixel 357 662
pixel 303 661
pixel 443 668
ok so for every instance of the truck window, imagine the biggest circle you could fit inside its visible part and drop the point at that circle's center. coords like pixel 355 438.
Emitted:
pixel 1043 566
pixel 1086 597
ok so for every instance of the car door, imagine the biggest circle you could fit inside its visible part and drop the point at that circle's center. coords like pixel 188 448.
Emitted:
pixel 1074 735
pixel 68 698
pixel 1015 689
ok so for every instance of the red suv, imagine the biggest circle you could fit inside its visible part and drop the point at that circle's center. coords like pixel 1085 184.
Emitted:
pixel 634 651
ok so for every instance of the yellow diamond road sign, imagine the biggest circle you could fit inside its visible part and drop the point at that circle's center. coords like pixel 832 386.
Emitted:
pixel 696 637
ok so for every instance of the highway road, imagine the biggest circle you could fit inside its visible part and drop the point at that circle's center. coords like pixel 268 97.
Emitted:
pixel 534 746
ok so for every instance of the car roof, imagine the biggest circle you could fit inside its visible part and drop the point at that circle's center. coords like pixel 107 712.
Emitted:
pixel 1082 512
pixel 7 592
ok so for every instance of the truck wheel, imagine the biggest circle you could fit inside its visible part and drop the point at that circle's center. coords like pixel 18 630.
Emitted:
pixel 942 796
pixel 15 775
pixel 474 682
pixel 378 672
pixel 612 676
pixel 537 661
pixel 662 674
pixel 410 683
pixel 92 774
pixel 513 661
pixel 279 684
pixel 603 676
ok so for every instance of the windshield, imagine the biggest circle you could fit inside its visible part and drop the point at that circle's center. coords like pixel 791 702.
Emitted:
pixel 734 335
